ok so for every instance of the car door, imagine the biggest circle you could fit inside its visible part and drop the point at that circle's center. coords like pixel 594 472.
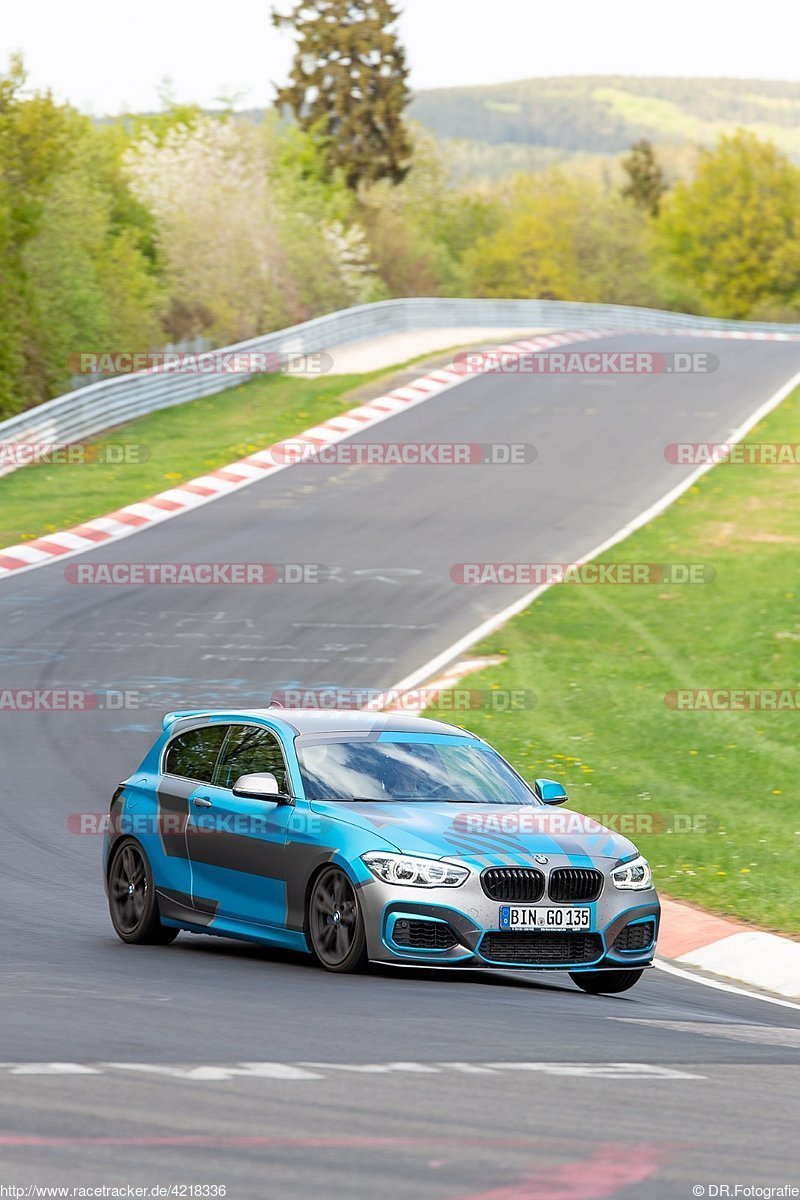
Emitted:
pixel 188 766
pixel 237 845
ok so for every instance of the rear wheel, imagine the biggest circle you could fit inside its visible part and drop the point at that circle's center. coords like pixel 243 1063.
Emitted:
pixel 132 898
pixel 335 922
pixel 599 983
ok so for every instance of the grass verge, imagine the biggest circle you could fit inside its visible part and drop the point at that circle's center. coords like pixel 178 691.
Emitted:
pixel 721 787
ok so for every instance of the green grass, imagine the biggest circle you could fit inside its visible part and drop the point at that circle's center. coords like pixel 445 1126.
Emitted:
pixel 182 443
pixel 601 659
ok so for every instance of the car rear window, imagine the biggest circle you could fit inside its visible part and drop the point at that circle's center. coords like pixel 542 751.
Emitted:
pixel 193 754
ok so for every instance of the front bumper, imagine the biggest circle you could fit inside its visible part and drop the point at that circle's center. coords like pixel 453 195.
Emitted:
pixel 451 927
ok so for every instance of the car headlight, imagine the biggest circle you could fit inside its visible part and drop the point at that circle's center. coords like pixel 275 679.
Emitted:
pixel 414 872
pixel 633 876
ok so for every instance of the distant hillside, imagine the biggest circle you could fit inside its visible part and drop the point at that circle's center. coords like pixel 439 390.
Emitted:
pixel 558 119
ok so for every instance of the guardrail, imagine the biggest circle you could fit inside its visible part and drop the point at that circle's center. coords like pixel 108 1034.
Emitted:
pixel 79 414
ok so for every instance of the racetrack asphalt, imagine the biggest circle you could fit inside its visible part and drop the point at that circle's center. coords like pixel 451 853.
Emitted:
pixel 715 1096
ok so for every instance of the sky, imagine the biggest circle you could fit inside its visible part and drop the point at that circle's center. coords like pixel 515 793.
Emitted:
pixel 90 53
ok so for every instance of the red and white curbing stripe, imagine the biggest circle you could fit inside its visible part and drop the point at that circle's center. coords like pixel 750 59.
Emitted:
pixel 694 938
pixel 132 518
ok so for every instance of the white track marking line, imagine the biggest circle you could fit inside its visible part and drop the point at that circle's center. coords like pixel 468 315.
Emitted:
pixel 386 1068
pixel 327 1072
pixel 611 1070
pixel 221 1074
pixel 54 1068
pixel 719 986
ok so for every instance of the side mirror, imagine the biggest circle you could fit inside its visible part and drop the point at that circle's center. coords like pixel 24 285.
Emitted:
pixel 549 792
pixel 260 787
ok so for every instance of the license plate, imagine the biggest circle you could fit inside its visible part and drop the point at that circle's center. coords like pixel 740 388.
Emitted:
pixel 522 916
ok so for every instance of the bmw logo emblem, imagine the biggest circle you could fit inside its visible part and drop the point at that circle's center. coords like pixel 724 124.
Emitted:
pixel 541 859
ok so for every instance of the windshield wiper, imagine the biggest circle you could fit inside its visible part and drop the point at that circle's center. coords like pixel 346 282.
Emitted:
pixel 381 800
pixel 347 799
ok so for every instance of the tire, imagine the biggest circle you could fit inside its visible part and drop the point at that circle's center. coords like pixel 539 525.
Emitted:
pixel 335 923
pixel 132 898
pixel 605 983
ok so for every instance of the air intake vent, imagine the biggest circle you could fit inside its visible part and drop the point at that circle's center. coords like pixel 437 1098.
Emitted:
pixel 569 885
pixel 513 884
pixel 424 935
pixel 542 949
pixel 636 937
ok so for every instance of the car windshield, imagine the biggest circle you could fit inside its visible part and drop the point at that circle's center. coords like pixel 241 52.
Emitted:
pixel 463 773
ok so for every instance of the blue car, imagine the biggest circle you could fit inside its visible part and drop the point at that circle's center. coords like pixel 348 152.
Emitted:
pixel 360 837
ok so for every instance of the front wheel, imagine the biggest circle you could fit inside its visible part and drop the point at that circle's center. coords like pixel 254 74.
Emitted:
pixel 599 983
pixel 132 898
pixel 335 922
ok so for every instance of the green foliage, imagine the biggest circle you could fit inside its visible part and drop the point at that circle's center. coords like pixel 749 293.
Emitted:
pixel 421 229
pixel 33 146
pixel 252 232
pixel 89 281
pixel 77 265
pixel 328 261
pixel 645 179
pixel 349 85
pixel 534 252
pixel 566 239
pixel 734 230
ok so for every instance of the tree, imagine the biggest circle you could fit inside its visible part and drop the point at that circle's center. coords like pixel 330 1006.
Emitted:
pixel 250 234
pixel 34 145
pixel 418 230
pixel 646 183
pixel 532 253
pixel 348 86
pixel 733 232
pixel 207 187
pixel 567 239
pixel 76 260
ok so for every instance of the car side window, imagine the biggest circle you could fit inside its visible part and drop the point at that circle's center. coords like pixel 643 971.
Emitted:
pixel 194 753
pixel 250 750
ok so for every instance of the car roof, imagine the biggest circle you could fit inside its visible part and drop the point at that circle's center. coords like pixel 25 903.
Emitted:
pixel 310 720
